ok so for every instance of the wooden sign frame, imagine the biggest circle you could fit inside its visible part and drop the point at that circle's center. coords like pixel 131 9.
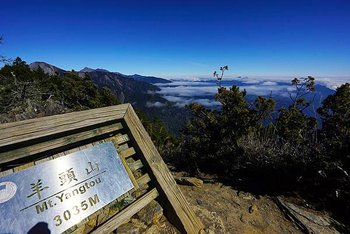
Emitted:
pixel 30 142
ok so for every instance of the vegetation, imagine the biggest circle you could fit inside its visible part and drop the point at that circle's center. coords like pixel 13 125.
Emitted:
pixel 165 142
pixel 26 94
pixel 252 145
pixel 244 144
pixel 335 138
pixel 219 77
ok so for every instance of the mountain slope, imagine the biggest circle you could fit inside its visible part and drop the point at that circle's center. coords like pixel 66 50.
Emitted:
pixel 127 90
pixel 47 68
pixel 149 79
pixel 140 93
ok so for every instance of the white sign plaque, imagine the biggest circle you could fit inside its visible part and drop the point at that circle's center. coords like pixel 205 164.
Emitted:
pixel 55 195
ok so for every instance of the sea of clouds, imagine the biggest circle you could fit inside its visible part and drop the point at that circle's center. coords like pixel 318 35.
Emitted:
pixel 202 90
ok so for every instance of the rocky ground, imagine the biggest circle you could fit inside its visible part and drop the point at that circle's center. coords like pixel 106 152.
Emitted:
pixel 223 209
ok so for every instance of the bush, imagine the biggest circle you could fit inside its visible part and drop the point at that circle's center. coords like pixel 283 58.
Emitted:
pixel 27 94
pixel 211 138
pixel 166 143
pixel 279 155
pixel 335 136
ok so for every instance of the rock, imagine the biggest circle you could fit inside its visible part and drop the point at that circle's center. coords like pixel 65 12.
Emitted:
pixel 252 209
pixel 128 228
pixel 214 193
pixel 247 198
pixel 244 195
pixel 235 201
pixel 152 213
pixel 103 216
pixel 211 220
pixel 91 223
pixel 309 220
pixel 209 231
pixel 138 223
pixel 152 230
pixel 189 181
pixel 199 201
pixel 242 218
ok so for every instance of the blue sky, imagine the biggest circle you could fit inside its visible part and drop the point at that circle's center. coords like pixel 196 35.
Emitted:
pixel 182 38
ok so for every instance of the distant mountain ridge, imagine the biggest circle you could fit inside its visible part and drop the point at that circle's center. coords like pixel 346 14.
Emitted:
pixel 138 90
pixel 124 88
pixel 135 89
pixel 86 69
pixel 53 70
pixel 47 68
pixel 149 79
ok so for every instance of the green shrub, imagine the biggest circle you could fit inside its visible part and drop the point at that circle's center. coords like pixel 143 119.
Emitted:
pixel 286 154
pixel 27 94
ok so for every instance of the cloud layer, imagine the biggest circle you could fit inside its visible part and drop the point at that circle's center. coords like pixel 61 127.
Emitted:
pixel 183 92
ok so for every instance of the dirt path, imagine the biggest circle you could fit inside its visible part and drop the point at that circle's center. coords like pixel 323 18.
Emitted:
pixel 225 210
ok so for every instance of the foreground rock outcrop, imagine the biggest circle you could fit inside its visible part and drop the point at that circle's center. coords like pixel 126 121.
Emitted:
pixel 223 209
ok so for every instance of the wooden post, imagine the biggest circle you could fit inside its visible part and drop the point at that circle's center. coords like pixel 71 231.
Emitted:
pixel 178 208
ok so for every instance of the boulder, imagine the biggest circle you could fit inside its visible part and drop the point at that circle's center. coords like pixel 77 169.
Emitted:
pixel 152 213
pixel 252 209
pixel 191 181
pixel 128 228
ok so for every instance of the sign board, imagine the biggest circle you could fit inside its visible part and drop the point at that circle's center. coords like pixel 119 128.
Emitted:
pixel 46 164
pixel 62 192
